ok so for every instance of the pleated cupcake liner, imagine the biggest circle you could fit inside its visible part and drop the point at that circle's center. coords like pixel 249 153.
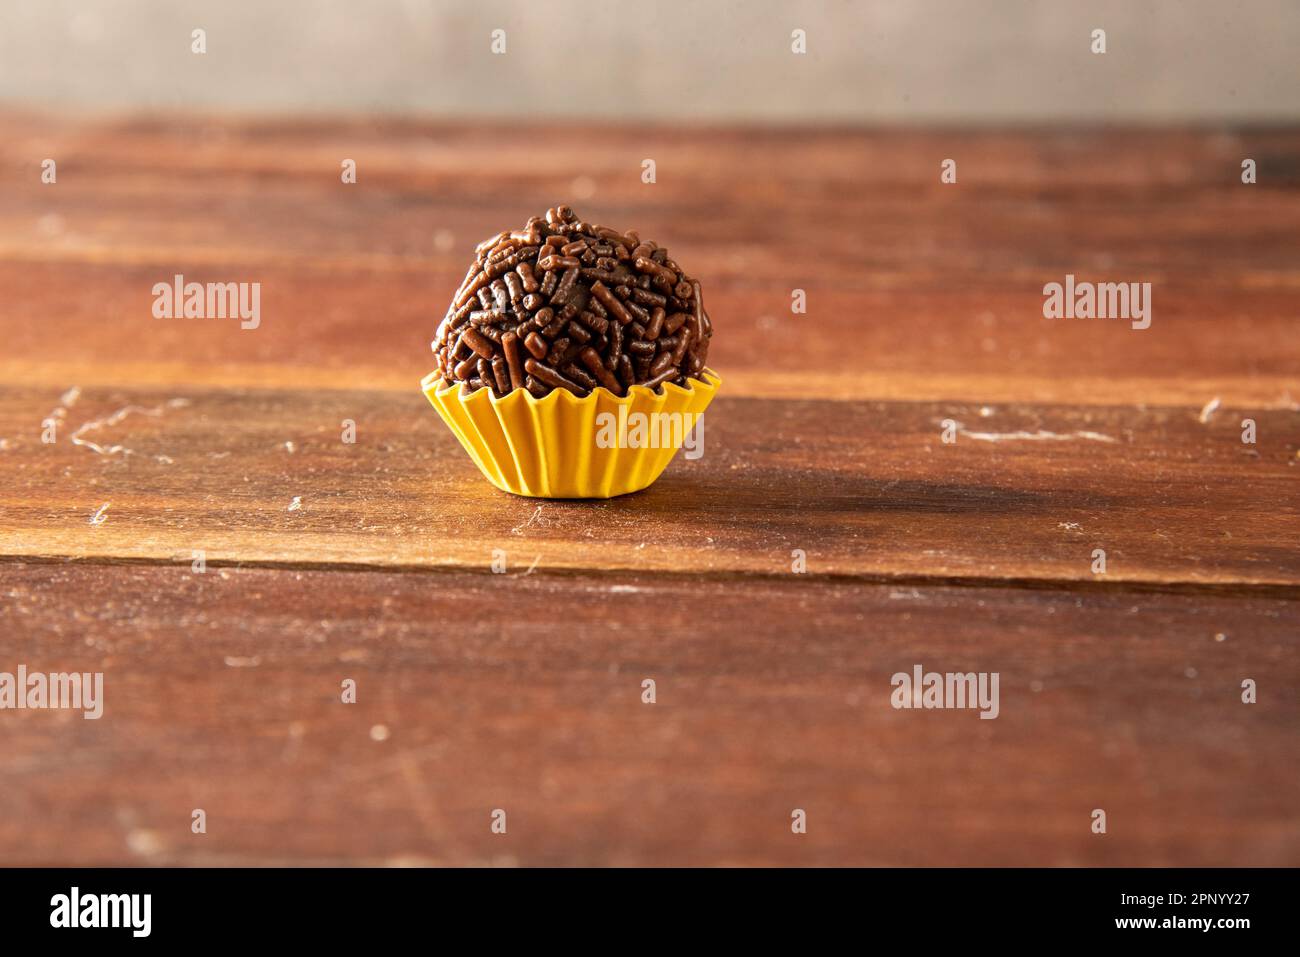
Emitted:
pixel 549 448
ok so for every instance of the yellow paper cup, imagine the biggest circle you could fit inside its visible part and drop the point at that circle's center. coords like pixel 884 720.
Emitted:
pixel 561 446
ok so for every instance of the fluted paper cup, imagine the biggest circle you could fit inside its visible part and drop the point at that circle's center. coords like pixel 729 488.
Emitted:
pixel 562 446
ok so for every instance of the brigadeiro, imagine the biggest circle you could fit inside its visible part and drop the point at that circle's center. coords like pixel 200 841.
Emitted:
pixel 565 304
pixel 571 363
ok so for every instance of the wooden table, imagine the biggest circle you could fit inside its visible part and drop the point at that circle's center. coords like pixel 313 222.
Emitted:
pixel 523 691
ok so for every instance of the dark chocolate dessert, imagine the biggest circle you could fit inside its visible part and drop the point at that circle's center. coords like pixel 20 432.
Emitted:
pixel 564 304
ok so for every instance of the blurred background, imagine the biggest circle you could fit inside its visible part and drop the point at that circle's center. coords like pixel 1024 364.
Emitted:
pixel 867 62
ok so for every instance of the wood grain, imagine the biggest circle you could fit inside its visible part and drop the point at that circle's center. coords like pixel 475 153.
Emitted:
pixel 523 692
pixel 866 490
pixel 916 290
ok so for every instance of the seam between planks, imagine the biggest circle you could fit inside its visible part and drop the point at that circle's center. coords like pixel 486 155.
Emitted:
pixel 1244 590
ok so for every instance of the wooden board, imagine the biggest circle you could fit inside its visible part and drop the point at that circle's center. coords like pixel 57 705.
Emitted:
pixel 916 290
pixel 864 489
pixel 523 690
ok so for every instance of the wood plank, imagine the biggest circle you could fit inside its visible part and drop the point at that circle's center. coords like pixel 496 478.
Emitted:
pixel 91 324
pixel 915 290
pixel 866 489
pixel 523 692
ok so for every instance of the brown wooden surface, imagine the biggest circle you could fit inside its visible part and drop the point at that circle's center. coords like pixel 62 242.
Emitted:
pixel 223 694
pixel 522 690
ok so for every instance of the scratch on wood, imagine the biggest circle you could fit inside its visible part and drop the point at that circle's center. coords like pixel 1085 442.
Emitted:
pixel 116 417
pixel 101 516
pixel 66 402
pixel 1042 435
pixel 519 528
pixel 296 503
pixel 1208 410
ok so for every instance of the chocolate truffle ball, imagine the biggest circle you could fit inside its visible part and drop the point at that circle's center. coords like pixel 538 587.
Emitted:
pixel 564 304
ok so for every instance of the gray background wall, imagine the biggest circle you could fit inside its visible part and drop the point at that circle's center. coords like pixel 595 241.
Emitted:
pixel 896 60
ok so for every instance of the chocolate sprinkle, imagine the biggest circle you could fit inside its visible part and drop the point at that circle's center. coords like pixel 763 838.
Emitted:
pixel 591 307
